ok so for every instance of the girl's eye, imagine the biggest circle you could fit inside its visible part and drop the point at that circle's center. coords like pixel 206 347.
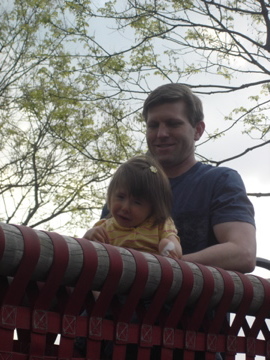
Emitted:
pixel 120 196
pixel 137 202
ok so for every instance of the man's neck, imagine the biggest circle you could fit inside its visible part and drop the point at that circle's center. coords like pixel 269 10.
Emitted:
pixel 180 169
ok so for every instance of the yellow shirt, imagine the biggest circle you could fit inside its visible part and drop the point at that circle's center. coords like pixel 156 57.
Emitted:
pixel 143 238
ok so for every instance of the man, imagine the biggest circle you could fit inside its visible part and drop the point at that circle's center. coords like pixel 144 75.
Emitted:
pixel 212 213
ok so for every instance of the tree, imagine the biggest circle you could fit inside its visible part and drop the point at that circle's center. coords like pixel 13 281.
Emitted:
pixel 73 78
pixel 182 39
pixel 216 47
pixel 61 136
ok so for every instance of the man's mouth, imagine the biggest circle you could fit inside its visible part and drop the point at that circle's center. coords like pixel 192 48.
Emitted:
pixel 163 146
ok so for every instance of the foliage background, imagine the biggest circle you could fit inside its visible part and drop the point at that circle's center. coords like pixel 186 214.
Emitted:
pixel 73 77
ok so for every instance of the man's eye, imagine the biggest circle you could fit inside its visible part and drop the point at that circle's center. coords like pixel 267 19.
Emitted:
pixel 152 125
pixel 174 124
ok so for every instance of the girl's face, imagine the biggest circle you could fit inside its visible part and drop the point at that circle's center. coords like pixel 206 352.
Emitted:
pixel 128 210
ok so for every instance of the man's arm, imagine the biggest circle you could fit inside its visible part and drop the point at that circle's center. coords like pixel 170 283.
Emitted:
pixel 236 249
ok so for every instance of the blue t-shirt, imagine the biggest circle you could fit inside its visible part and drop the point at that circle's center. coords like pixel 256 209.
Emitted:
pixel 203 197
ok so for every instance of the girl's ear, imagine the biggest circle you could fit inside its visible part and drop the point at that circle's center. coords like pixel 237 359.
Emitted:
pixel 199 130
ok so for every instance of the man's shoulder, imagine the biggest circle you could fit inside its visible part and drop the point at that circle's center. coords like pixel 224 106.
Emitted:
pixel 204 179
pixel 205 172
pixel 213 170
pixel 219 174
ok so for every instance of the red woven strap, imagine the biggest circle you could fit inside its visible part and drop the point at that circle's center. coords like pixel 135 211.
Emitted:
pixel 176 312
pixel 56 273
pixel 239 320
pixel 85 281
pixel 47 294
pixel 26 267
pixel 96 331
pixel 16 290
pixel 266 333
pixel 122 329
pixel 219 316
pixel 147 338
pixel 77 299
pixel 260 317
pixel 196 319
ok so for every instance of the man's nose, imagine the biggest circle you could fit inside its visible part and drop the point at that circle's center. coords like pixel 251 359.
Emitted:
pixel 162 131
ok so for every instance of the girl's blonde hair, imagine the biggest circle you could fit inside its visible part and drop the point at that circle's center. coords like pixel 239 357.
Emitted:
pixel 143 178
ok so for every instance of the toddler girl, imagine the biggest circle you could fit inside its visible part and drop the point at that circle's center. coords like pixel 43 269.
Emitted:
pixel 139 200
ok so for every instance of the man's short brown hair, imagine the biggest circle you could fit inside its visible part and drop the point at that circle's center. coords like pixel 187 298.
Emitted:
pixel 174 92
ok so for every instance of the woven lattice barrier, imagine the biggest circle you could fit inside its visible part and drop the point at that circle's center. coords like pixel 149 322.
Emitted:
pixel 148 306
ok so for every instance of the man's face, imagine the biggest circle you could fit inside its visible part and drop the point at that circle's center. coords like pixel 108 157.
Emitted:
pixel 170 136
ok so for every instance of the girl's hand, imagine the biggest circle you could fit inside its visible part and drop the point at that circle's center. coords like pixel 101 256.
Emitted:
pixel 170 247
pixel 97 233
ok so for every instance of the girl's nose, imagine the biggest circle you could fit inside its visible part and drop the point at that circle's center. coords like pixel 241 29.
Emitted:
pixel 126 205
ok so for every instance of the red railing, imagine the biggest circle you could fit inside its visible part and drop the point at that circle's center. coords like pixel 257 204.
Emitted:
pixel 148 306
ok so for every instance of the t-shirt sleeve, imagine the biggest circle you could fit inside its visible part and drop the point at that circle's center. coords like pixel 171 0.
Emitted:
pixel 100 222
pixel 167 229
pixel 230 201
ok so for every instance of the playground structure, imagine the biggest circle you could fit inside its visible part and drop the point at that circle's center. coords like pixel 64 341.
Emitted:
pixel 148 306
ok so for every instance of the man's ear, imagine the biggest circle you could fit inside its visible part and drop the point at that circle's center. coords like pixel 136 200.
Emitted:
pixel 199 129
